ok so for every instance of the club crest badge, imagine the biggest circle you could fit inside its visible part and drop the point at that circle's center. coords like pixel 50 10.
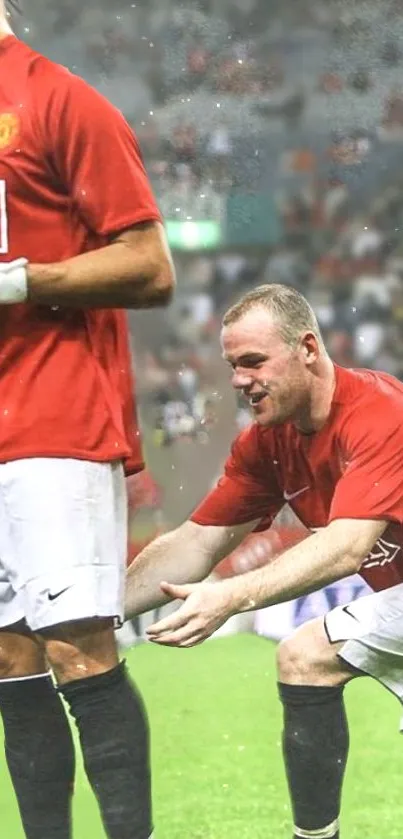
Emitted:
pixel 9 129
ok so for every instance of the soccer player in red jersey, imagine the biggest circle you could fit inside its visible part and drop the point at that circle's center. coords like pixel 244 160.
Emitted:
pixel 81 239
pixel 329 442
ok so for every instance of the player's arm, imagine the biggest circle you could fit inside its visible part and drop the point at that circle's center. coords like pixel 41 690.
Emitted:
pixel 328 555
pixel 94 158
pixel 134 271
pixel 334 552
pixel 242 498
pixel 185 555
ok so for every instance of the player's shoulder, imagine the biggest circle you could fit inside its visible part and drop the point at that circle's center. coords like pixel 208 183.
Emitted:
pixel 372 408
pixel 372 386
pixel 39 67
pixel 54 76
pixel 53 81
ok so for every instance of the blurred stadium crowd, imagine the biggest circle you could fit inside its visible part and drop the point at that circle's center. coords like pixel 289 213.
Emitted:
pixel 273 134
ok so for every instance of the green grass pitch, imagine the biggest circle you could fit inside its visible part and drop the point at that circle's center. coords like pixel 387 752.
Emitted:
pixel 216 728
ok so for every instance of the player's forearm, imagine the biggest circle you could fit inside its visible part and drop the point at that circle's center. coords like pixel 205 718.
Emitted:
pixel 166 558
pixel 120 275
pixel 321 559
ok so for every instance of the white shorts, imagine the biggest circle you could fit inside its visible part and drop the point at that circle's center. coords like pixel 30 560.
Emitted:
pixel 372 627
pixel 63 541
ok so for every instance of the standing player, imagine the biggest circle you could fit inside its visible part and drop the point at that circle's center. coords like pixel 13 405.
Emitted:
pixel 329 441
pixel 80 240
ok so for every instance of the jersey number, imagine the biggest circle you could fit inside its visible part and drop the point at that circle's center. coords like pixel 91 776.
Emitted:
pixel 3 218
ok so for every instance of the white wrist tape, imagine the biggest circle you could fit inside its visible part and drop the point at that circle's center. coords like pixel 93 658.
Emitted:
pixel 13 281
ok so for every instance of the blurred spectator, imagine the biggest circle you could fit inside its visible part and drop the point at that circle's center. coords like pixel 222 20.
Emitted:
pixel 219 151
pixel 393 111
pixel 360 81
pixel 366 238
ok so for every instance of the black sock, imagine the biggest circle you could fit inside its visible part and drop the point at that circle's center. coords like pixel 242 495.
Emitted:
pixel 315 748
pixel 113 728
pixel 40 755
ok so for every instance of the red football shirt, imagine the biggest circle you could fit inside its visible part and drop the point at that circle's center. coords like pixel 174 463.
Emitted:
pixel 71 176
pixel 351 468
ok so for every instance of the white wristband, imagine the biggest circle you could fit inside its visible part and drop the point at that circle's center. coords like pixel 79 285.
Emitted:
pixel 13 281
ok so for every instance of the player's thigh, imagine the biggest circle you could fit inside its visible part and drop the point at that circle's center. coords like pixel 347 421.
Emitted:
pixel 308 657
pixel 21 653
pixel 81 648
pixel 373 631
pixel 68 523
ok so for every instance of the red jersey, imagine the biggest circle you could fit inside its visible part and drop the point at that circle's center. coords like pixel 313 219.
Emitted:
pixel 351 468
pixel 71 176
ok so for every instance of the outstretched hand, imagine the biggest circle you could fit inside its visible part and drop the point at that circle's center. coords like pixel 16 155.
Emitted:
pixel 205 607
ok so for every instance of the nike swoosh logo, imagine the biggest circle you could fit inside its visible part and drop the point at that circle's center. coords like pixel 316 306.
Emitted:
pixel 58 594
pixel 347 611
pixel 288 496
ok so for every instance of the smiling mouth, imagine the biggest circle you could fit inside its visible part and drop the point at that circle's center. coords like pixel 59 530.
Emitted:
pixel 255 398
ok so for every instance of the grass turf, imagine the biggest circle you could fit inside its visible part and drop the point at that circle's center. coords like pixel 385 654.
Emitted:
pixel 218 773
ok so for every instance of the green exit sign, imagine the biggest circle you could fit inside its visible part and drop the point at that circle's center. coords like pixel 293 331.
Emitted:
pixel 193 235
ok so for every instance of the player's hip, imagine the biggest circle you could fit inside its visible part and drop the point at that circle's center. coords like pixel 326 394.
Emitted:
pixel 376 619
pixel 63 540
pixel 372 628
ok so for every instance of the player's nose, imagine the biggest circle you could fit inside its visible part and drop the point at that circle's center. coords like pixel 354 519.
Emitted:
pixel 240 380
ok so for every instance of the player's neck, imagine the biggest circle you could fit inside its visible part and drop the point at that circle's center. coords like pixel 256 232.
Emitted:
pixel 314 415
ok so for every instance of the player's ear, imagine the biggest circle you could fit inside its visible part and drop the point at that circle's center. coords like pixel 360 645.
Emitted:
pixel 310 347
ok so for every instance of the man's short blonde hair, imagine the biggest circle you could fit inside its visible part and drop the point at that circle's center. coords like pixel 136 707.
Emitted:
pixel 289 309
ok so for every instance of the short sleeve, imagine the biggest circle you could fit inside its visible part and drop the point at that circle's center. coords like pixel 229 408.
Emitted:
pixel 247 490
pixel 96 156
pixel 372 484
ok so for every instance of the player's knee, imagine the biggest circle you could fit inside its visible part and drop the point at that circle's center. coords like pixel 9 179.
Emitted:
pixel 81 649
pixel 291 659
pixel 306 657
pixel 20 655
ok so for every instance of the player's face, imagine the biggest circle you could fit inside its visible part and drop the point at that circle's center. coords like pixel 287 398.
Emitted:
pixel 272 376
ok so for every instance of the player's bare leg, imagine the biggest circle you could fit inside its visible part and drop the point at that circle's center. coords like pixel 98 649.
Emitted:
pixel 315 737
pixel 111 720
pixel 38 742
